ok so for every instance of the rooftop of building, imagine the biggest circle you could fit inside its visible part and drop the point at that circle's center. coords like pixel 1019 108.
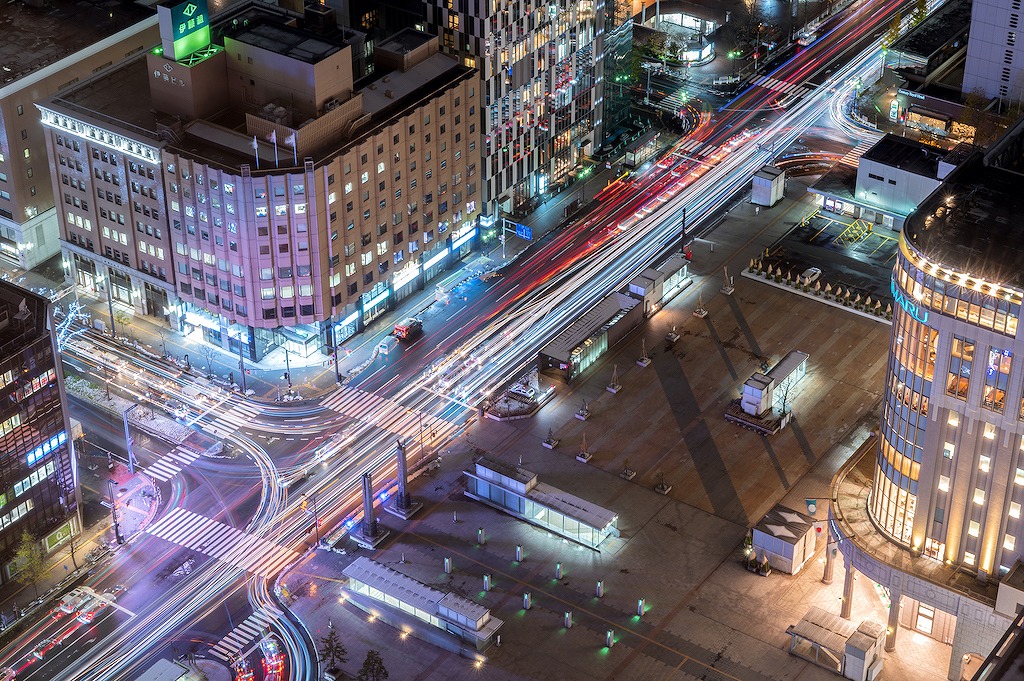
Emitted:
pixel 35 37
pixel 23 314
pixel 850 490
pixel 410 591
pixel 840 181
pixel 517 473
pixel 947 23
pixel 266 31
pixel 223 139
pixel 562 345
pixel 907 155
pixel 405 41
pixel 971 224
pixel 393 86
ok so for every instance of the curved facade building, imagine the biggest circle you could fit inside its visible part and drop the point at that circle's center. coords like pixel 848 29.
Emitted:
pixel 949 474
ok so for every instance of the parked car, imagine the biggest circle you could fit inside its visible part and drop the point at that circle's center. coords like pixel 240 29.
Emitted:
pixel 523 391
pixel 810 275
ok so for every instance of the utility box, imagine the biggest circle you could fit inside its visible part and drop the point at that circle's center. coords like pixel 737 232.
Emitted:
pixel 769 186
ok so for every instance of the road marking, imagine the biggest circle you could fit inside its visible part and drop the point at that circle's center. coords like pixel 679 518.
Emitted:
pixel 223 542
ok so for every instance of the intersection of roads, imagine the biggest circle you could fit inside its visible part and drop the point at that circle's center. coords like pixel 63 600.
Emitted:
pixel 201 576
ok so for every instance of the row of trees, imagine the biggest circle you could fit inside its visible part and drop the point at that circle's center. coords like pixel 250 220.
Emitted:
pixel 334 654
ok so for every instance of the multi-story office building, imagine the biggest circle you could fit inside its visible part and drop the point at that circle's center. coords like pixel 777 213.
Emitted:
pixel 42 52
pixel 250 189
pixel 541 66
pixel 38 480
pixel 995 52
pixel 934 514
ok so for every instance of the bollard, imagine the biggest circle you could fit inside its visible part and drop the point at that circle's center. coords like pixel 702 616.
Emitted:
pixel 447 565
pixel 599 591
pixel 609 638
pixel 519 553
pixel 455 516
pixel 480 537
pixel 527 600
pixel 487 582
pixel 640 607
pixel 558 570
pixel 568 619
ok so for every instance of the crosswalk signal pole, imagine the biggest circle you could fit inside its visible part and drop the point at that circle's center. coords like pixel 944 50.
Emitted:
pixel 241 362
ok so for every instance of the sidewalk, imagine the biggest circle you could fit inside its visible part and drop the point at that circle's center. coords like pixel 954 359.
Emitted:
pixel 138 500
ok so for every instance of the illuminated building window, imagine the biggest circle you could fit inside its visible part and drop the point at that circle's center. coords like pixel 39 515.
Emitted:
pixel 979 496
pixel 943 483
pixel 983 464
pixel 997 374
pixel 1014 509
pixel 1018 478
pixel 973 529
pixel 1009 542
pixel 968 558
pixel 961 357
pixel 947 450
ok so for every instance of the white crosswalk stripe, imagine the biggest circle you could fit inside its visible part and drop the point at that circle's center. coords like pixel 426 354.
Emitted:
pixel 378 411
pixel 853 156
pixel 792 92
pixel 165 468
pixel 222 542
pixel 251 628
pixel 224 423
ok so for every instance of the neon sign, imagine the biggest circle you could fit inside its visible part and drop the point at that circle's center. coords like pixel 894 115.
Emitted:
pixel 911 308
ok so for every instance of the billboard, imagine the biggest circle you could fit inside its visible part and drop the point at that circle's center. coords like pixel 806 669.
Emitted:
pixel 190 27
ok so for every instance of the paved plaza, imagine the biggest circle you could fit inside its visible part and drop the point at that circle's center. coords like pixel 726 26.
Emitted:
pixel 706 616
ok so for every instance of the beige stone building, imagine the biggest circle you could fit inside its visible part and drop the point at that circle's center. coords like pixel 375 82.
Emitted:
pixel 253 191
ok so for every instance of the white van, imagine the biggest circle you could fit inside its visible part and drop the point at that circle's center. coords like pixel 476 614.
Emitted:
pixel 388 345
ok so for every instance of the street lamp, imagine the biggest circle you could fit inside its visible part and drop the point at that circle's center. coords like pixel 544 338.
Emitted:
pixel 113 511
pixel 287 369
pixel 106 280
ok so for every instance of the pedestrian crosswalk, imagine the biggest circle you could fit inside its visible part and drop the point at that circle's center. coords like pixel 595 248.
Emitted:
pixel 690 147
pixel 227 420
pixel 852 157
pixel 223 542
pixel 791 91
pixel 166 467
pixel 252 627
pixel 383 413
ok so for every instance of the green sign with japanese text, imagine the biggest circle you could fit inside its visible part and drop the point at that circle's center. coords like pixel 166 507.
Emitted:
pixel 191 25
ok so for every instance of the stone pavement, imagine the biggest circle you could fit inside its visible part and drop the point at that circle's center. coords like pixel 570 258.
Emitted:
pixel 707 616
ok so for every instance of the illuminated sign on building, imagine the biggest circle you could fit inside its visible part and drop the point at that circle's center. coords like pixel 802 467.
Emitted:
pixel 190 26
pixel 911 308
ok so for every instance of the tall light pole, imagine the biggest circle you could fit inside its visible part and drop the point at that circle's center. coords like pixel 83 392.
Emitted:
pixel 107 282
pixel 113 511
pixel 287 368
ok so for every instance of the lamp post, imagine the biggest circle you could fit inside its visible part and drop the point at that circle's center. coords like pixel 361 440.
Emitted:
pixel 107 281
pixel 113 511
pixel 287 368
pixel 241 362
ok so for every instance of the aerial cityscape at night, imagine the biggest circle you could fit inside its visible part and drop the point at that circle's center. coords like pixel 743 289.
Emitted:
pixel 507 339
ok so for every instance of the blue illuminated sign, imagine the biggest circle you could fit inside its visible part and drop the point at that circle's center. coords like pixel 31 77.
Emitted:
pixel 911 308
pixel 42 450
